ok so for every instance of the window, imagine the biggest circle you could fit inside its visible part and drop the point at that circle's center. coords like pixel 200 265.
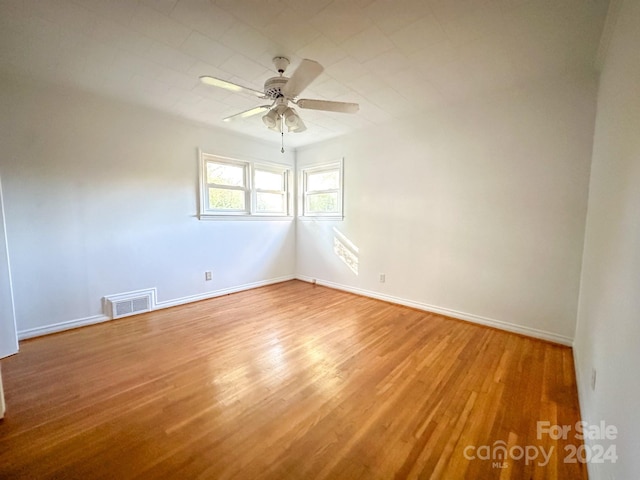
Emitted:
pixel 322 190
pixel 270 190
pixel 240 188
pixel 227 187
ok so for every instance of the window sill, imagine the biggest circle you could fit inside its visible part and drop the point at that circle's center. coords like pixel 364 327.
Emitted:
pixel 335 218
pixel 264 218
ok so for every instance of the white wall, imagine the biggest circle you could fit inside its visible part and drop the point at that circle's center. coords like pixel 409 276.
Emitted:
pixel 476 210
pixel 608 332
pixel 101 198
pixel 3 406
pixel 8 338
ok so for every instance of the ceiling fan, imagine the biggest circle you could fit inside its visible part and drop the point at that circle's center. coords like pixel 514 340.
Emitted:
pixel 281 91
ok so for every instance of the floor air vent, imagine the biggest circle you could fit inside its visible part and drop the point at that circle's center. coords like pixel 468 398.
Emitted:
pixel 125 304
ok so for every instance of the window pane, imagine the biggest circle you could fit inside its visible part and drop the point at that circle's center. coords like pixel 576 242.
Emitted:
pixel 223 199
pixel 328 180
pixel 270 203
pixel 322 203
pixel 220 174
pixel 266 180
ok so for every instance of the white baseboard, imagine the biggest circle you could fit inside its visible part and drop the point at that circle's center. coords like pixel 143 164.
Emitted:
pixel 82 322
pixel 219 293
pixel 509 327
pixel 61 326
pixel 469 317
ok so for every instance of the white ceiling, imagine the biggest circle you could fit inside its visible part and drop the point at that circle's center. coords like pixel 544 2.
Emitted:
pixel 391 56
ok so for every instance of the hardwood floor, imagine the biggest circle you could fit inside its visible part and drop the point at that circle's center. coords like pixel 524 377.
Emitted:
pixel 290 381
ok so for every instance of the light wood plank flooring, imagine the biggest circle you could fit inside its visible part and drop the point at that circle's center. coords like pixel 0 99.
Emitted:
pixel 289 381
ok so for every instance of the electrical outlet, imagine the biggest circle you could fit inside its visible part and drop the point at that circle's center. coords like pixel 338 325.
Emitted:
pixel 383 278
pixel 207 276
pixel 593 379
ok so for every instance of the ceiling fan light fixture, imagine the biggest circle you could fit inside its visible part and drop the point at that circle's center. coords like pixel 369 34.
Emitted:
pixel 270 119
pixel 277 127
pixel 291 118
pixel 299 127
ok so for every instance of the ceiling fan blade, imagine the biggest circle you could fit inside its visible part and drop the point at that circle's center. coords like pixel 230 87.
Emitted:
pixel 307 72
pixel 217 82
pixel 247 113
pixel 342 107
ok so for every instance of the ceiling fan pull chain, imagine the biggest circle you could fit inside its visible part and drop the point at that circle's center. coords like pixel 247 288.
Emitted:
pixel 281 137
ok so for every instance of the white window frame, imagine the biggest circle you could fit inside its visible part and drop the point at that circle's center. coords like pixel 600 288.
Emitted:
pixel 304 193
pixel 250 211
pixel 279 170
pixel 246 188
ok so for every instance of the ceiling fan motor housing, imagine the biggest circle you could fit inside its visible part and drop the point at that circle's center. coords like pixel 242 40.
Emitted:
pixel 273 87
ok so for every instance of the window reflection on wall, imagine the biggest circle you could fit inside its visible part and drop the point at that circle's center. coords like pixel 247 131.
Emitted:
pixel 346 250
